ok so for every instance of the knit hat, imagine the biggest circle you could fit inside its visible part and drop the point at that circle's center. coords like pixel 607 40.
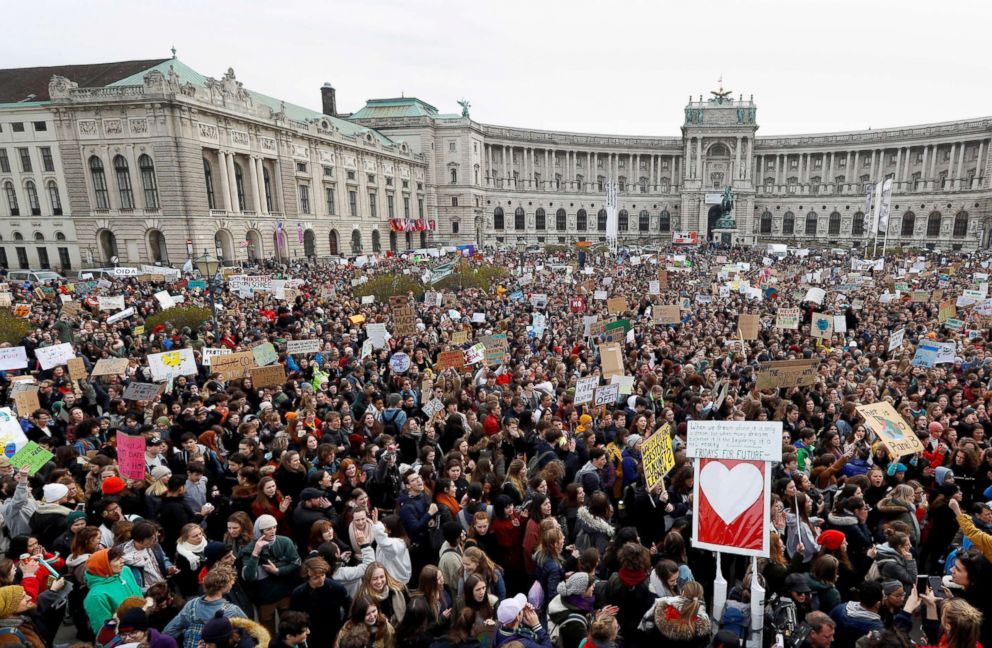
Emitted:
pixel 832 539
pixel 217 629
pixel 132 620
pixel 163 421
pixel 52 493
pixel 112 485
pixel 265 522
pixel 73 516
pixel 585 419
pixel 890 586
pixel 941 473
pixel 935 427
pixel 633 439
pixel 10 597
pixel 215 551
pixel 575 585
pixel 158 472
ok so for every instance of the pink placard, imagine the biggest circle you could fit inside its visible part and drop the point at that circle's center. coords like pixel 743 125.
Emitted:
pixel 131 456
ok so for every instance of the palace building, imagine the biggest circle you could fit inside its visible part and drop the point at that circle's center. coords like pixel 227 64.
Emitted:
pixel 149 162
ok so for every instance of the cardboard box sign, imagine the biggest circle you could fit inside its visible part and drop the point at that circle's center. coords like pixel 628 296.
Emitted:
pixel 268 376
pixel 666 313
pixel 749 325
pixel 77 369
pixel 451 360
pixel 616 304
pixel 142 391
pixel 233 366
pixel 110 367
pixel 788 373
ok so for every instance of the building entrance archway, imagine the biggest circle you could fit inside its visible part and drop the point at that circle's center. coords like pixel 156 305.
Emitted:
pixel 714 214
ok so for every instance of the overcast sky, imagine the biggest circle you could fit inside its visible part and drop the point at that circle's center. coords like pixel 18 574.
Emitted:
pixel 619 67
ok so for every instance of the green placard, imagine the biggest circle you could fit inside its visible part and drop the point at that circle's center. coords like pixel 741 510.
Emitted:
pixel 33 456
pixel 625 324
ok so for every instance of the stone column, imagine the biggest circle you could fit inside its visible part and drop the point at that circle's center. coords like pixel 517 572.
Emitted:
pixel 277 183
pixel 686 157
pixel 699 158
pixel 977 182
pixel 502 152
pixel 960 170
pixel 264 205
pixel 591 174
pixel 225 187
pixel 737 161
pixel 233 188
pixel 749 166
pixel 932 181
pixel 830 173
pixel 253 171
pixel 950 166
pixel 896 179
pixel 871 172
pixel 924 171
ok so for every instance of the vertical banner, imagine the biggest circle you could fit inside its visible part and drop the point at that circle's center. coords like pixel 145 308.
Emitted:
pixel 611 210
pixel 869 204
pixel 884 206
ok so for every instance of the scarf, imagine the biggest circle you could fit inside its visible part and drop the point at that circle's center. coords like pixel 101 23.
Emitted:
pixel 582 602
pixel 631 577
pixel 193 553
pixel 450 502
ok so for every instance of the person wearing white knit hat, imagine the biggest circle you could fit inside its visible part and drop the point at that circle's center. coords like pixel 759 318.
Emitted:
pixel 50 519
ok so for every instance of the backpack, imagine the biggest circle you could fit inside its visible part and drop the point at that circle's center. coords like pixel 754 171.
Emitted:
pixel 533 466
pixel 191 635
pixel 554 629
pixel 389 425
pixel 874 572
pixel 736 618
pixel 435 534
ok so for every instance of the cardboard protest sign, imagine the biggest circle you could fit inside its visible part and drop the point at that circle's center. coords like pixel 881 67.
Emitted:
pixel 299 347
pixel 787 373
pixel 895 340
pixel 106 302
pixel 459 337
pixel 124 314
pixel 654 288
pixel 919 296
pixel 666 313
pixel 13 358
pixel 822 326
pixel 141 391
pixel 165 300
pixel 584 389
pixel 611 356
pixel 626 383
pixel 180 362
pixel 131 456
pixel 657 456
pixel 265 354
pixel 749 324
pixel 55 355
pixel 947 311
pixel 110 367
pixel 77 369
pixel 6 300
pixel 376 332
pixel 496 347
pixel 35 457
pixel 233 366
pixel 788 318
pixel 815 295
pixel 209 353
pixel 663 279
pixel 405 320
pixel 26 402
pixel 475 353
pixel 891 429
pixel 450 360
pixel 616 304
pixel 607 395
pixel 268 375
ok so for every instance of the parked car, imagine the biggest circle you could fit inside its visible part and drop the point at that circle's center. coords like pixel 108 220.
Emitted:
pixel 34 276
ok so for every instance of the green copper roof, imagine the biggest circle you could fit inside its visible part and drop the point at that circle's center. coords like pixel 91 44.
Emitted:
pixel 294 112
pixel 402 107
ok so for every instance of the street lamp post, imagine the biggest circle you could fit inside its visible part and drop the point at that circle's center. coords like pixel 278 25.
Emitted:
pixel 208 266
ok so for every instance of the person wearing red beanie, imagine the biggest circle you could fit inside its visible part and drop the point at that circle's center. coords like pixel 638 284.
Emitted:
pixel 112 485
pixel 832 539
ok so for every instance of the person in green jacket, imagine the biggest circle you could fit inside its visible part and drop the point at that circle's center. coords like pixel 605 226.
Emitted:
pixel 109 583
pixel 271 566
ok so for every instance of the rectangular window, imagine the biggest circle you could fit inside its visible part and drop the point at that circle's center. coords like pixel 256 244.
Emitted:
pixel 17 127
pixel 43 262
pixel 46 159
pixel 3 258
pixel 406 184
pixel 406 206
pixel 328 171
pixel 329 195
pixel 372 204
pixel 454 201
pixel 40 127
pixel 420 186
pixel 353 203
pixel 305 199
pixel 420 207
pixel 451 146
pixel 371 178
pixel 301 167
pixel 4 161
pixel 22 256
pixel 64 259
pixel 454 227
pixel 389 182
pixel 351 175
pixel 25 160
pixel 391 205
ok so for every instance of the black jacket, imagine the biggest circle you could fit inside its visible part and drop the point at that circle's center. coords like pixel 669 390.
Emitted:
pixel 327 606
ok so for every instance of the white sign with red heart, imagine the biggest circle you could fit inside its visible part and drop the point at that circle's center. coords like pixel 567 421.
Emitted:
pixel 730 492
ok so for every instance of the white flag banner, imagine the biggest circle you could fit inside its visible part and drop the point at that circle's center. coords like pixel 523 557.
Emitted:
pixel 611 210
pixel 885 202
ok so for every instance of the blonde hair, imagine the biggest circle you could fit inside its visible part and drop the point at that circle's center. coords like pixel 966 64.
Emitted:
pixel 693 593
pixel 965 623
pixel 392 584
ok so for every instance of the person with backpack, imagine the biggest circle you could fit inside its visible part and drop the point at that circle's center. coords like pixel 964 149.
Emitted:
pixel 393 417
pixel 187 626
pixel 894 560
pixel 572 611
pixel 628 588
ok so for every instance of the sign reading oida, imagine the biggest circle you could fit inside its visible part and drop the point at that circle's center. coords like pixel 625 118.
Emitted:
pixel 890 428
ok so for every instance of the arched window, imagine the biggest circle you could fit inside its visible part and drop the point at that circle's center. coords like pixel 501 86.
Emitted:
pixel 789 223
pixel 519 220
pixel 54 198
pixel 643 221
pixel 208 178
pixel 18 236
pixel 108 245
pixel 581 220
pixel 540 219
pixel 833 225
pixel 933 224
pixel 454 176
pixel 268 190
pixel 148 181
pixel 8 189
pixel 356 242
pixel 59 236
pixel 561 221
pixel 124 182
pixel 811 224
pixel 601 220
pixel 38 236
pixel 960 225
pixel 858 224
pixel 498 218
pixel 239 181
pixel 908 224
pixel 665 221
pixel 99 183
pixel 766 222
pixel 393 244
pixel 33 201
pixel 156 246
pixel 376 246
pixel 622 222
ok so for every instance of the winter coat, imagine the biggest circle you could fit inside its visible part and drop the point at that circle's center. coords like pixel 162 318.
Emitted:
pixel 549 574
pixel 414 515
pixel 805 534
pixel 188 624
pixel 858 538
pixel 534 637
pixel 393 553
pixel 105 594
pixel 572 622
pixel 588 478
pixel 982 540
pixel 17 511
pixel 48 522
pixel 893 565
pixel 853 622
pixel 827 595
pixel 633 601
pixel 592 531
pixel 328 607
pixel 668 623
pixel 270 588
pixel 891 508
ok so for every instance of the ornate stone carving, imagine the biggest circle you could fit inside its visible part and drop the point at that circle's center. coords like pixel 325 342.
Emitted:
pixel 267 144
pixel 138 126
pixel 113 127
pixel 240 139
pixel 154 82
pixel 207 132
pixel 87 128
pixel 59 87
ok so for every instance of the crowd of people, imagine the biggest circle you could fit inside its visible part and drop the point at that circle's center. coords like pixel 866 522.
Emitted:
pixel 372 503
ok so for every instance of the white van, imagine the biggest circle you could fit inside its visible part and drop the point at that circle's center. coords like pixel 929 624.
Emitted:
pixel 34 276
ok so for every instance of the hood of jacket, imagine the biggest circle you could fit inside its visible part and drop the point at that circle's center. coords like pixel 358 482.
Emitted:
pixel 255 630
pixel 844 519
pixel 892 506
pixel 885 552
pixel 594 523
pixel 52 509
pixel 855 611
pixel 558 607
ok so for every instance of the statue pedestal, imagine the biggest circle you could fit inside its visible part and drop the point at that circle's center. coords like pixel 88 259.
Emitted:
pixel 727 237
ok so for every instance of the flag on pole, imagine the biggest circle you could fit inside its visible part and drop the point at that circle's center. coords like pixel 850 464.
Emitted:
pixel 611 210
pixel 869 203
pixel 885 203
pixel 299 232
pixel 279 234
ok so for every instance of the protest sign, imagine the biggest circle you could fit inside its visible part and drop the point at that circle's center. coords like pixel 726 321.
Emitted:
pixel 141 391
pixel 105 302
pixel 607 395
pixel 265 354
pixel 399 362
pixel 731 504
pixel 26 402
pixel 822 326
pixel 368 299
pixel 626 383
pixel 405 320
pixel 740 440
pixel 12 436
pixel 432 407
pixel 233 366
pixel 459 337
pixel 55 355
pixel 919 296
pixel 475 353
pixel 577 304
pixel 268 375
pixel 6 300
pixel 124 314
pixel 180 362
pixel 584 389
pixel 815 295
pixel 539 300
pixel 209 353
pixel 376 331
pixel 895 340
pixel 891 429
pixel 165 300
pixel 788 318
pixel 840 324
pixel 451 360
pixel 496 347
pixel 611 356
pixel 787 373
pixel 663 279
pixel 35 457
pixel 77 369
pixel 947 311
pixel 666 313
pixel 616 305
pixel 478 318
pixel 657 456
pixel 131 456
pixel 22 310
pixel 299 347
pixel 13 358
pixel 748 324
pixel 654 288
pixel 926 355
pixel 110 367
